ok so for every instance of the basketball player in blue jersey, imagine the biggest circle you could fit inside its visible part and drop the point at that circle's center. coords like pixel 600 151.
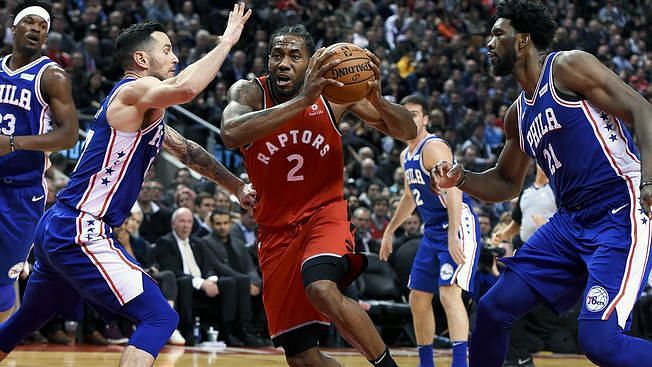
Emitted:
pixel 37 116
pixel 77 255
pixel 596 248
pixel 450 240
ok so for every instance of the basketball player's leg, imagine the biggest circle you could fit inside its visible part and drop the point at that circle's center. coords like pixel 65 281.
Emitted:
pixel 46 294
pixel 155 322
pixel 301 348
pixel 617 274
pixel 321 276
pixel 17 228
pixel 507 301
pixel 458 321
pixel 423 281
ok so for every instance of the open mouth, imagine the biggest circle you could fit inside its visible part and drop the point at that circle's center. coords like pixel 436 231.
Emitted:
pixel 32 37
pixel 283 80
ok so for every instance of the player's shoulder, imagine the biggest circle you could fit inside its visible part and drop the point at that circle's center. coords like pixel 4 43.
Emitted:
pixel 572 61
pixel 248 92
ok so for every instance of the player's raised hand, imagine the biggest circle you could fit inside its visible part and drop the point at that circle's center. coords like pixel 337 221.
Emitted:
pixel 455 249
pixel 314 81
pixel 386 246
pixel 445 175
pixel 374 85
pixel 235 24
pixel 247 196
pixel 646 200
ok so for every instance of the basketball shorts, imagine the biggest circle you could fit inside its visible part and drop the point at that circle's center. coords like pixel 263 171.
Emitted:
pixel 282 253
pixel 81 249
pixel 599 254
pixel 21 208
pixel 425 276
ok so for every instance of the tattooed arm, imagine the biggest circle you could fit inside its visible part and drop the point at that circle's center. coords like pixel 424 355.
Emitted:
pixel 244 121
pixel 198 159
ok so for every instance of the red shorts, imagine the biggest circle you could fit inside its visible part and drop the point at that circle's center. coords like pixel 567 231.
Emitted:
pixel 283 251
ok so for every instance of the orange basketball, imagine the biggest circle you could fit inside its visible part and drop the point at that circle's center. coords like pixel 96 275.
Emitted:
pixel 353 71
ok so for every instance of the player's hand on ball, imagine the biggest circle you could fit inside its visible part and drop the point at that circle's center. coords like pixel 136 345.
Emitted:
pixel 445 175
pixel 374 85
pixel 455 249
pixel 386 246
pixel 314 81
pixel 646 200
pixel 247 196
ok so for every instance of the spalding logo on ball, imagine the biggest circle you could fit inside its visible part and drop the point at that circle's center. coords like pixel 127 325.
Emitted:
pixel 353 71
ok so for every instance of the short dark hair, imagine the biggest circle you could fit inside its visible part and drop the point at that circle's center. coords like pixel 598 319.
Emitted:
pixel 416 99
pixel 134 39
pixel 201 196
pixel 529 17
pixel 22 4
pixel 220 211
pixel 298 30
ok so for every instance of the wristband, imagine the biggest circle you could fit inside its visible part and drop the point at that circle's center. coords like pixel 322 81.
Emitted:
pixel 11 143
pixel 461 180
pixel 645 183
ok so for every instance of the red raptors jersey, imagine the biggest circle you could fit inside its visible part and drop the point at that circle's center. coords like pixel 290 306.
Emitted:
pixel 297 168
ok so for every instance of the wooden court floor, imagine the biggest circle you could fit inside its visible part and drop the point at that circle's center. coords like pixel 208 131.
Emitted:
pixel 93 356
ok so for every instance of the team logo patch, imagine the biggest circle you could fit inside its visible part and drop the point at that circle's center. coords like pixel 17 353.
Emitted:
pixel 446 271
pixel 15 270
pixel 597 299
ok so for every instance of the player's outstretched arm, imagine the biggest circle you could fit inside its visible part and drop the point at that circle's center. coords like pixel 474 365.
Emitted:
pixel 390 118
pixel 57 89
pixel 193 79
pixel 198 159
pixel 403 211
pixel 582 73
pixel 500 183
pixel 244 121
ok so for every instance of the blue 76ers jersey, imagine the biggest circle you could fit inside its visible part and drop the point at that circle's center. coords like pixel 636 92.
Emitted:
pixel 23 111
pixel 431 207
pixel 112 166
pixel 586 153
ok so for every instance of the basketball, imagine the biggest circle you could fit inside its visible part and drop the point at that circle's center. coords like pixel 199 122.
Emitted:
pixel 353 71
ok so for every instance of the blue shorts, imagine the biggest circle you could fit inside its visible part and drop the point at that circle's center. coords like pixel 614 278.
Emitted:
pixel 21 209
pixel 79 250
pixel 598 253
pixel 426 276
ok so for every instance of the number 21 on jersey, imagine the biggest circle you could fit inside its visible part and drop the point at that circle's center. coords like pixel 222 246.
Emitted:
pixel 553 163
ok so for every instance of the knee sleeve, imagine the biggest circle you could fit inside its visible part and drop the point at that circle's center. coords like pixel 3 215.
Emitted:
pixel 606 345
pixel 155 319
pixel 7 296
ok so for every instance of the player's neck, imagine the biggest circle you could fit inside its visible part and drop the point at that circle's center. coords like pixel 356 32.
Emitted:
pixel 19 60
pixel 528 72
pixel 132 74
pixel 412 144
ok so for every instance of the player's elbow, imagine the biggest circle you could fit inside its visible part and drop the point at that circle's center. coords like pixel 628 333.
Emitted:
pixel 229 137
pixel 186 92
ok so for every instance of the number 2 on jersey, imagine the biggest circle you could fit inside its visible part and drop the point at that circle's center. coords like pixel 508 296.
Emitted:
pixel 9 122
pixel 292 175
pixel 553 163
pixel 417 197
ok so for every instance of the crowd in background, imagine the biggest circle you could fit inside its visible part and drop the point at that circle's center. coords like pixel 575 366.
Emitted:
pixel 436 49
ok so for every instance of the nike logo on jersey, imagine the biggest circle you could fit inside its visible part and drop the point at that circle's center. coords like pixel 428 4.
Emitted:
pixel 524 361
pixel 614 211
pixel 444 226
pixel 35 199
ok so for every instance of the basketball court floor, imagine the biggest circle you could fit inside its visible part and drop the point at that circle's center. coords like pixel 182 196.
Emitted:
pixel 94 356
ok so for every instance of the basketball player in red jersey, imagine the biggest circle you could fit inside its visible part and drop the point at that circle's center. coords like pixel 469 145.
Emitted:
pixel 288 133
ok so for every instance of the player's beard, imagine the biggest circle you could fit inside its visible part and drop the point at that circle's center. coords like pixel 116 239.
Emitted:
pixel 505 63
pixel 285 94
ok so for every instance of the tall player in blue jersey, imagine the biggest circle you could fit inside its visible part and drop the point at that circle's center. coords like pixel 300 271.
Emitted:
pixel 450 240
pixel 37 115
pixel 76 253
pixel 596 248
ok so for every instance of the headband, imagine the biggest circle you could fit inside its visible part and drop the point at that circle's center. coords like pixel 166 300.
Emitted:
pixel 33 10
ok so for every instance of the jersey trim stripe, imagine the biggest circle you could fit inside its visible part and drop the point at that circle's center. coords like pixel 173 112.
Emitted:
pixel 93 258
pixel 88 191
pixel 519 122
pixel 10 72
pixel 535 94
pixel 121 175
pixel 553 90
pixel 262 89
pixel 619 129
pixel 331 115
